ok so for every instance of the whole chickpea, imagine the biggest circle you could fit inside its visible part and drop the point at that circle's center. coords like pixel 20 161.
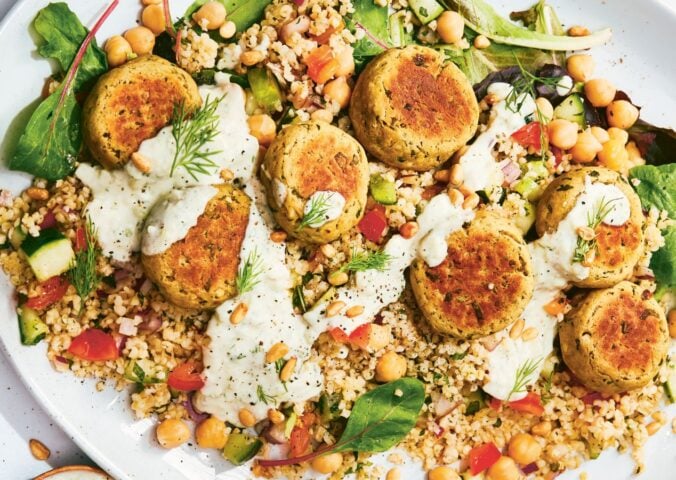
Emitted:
pixel 300 25
pixel 545 108
pixel 562 133
pixel 442 473
pixel 390 367
pixel 262 127
pixel 327 463
pixel 614 156
pixel 504 469
pixel 580 67
pixel 618 134
pixel 153 18
pixel 586 147
pixel 346 62
pixel 172 432
pixel 141 40
pixel 211 433
pixel 601 135
pixel 524 449
pixel 621 114
pixel 600 92
pixel 211 15
pixel 117 50
pixel 338 91
pixel 450 27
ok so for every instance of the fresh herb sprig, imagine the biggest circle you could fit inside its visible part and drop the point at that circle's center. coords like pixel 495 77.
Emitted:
pixel 264 397
pixel 192 133
pixel 523 376
pixel 546 394
pixel 83 275
pixel 317 210
pixel 583 246
pixel 361 261
pixel 248 275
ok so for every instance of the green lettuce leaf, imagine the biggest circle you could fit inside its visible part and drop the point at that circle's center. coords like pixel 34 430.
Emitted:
pixel 373 20
pixel 542 18
pixel 663 263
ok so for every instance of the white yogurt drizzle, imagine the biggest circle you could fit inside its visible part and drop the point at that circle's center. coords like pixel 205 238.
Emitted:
pixel 552 257
pixel 333 204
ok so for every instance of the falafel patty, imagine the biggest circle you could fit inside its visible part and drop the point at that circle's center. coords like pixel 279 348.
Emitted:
pixel 311 159
pixel 200 271
pixel 615 339
pixel 131 103
pixel 618 248
pixel 411 109
pixel 483 284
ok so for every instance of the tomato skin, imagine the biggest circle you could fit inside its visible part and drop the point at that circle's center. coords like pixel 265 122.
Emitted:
pixel 339 335
pixel 483 457
pixel 530 135
pixel 495 404
pixel 360 336
pixel 373 224
pixel 94 345
pixel 80 239
pixel 53 290
pixel 321 64
pixel 531 403
pixel 48 221
pixel 186 377
pixel 299 440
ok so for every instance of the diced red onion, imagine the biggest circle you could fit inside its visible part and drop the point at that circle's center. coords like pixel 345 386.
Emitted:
pixel 591 397
pixel 438 430
pixel 444 406
pixel 530 468
pixel 152 321
pixel 195 415
pixel 299 2
pixel 510 170
pixel 6 198
pixel 275 434
pixel 145 287
pixel 120 274
pixel 127 326
pixel 49 220
pixel 120 341
pixel 277 451
pixel 491 342
pixel 61 359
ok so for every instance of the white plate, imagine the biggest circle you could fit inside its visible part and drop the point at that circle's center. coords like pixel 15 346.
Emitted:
pixel 639 60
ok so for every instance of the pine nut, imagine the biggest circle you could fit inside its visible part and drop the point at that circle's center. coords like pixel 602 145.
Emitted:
pixel 471 202
pixel 227 174
pixel 277 351
pixel 455 196
pixel 287 369
pixel 409 229
pixel 578 31
pixel 517 329
pixel 239 313
pixel 38 449
pixel 246 418
pixel 228 30
pixel 140 162
pixel 653 427
pixel 589 258
pixel 36 193
pixel 442 175
pixel 275 416
pixel 659 416
pixel 542 429
pixel 334 308
pixel 328 250
pixel 456 175
pixel 465 191
pixel 529 334
pixel 585 233
pixel 354 311
pixel 278 236
pixel 252 57
pixel 338 278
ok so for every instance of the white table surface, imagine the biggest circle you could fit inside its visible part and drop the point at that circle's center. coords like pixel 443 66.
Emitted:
pixel 21 418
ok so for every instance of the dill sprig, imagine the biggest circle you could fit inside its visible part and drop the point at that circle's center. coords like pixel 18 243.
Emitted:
pixel 546 394
pixel 594 219
pixel 249 273
pixel 82 274
pixel 319 207
pixel 191 135
pixel 524 375
pixel 264 397
pixel 367 261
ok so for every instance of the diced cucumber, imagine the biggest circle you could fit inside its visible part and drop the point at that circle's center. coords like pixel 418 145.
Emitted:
pixel 290 423
pixel 265 89
pixel 141 371
pixel 521 211
pixel 240 448
pixel 426 10
pixel 328 407
pixel 670 384
pixel 474 402
pixel 31 326
pixel 467 475
pixel 382 190
pixel 536 169
pixel 49 254
pixel 529 188
pixel 17 237
pixel 572 109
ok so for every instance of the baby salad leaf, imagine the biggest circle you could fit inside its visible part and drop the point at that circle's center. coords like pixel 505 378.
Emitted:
pixel 542 18
pixel 663 263
pixel 243 13
pixel 373 21
pixel 657 145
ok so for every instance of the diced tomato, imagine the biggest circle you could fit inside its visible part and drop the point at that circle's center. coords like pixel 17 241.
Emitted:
pixel 374 224
pixel 591 397
pixel 556 306
pixel 186 377
pixel 558 155
pixel 360 336
pixel 529 135
pixel 495 404
pixel 80 239
pixel 326 35
pixel 321 64
pixel 531 403
pixel 299 440
pixel 94 345
pixel 48 221
pixel 53 290
pixel 339 335
pixel 483 457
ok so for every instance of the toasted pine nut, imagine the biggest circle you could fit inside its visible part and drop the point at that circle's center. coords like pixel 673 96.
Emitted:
pixel 471 202
pixel 36 193
pixel 465 191
pixel 455 196
pixel 227 174
pixel 278 236
pixel 442 175
pixel 585 233
pixel 140 162
pixel 589 258
pixel 456 175
pixel 239 313
pixel 328 250
pixel 354 311
pixel 287 369
pixel 38 449
pixel 517 328
pixel 228 30
pixel 659 416
pixel 252 57
pixel 246 418
pixel 481 41
pixel 334 308
pixel 409 229
pixel 275 416
pixel 529 334
pixel 542 429
pixel 653 427
pixel 338 278
pixel 277 351
pixel 578 31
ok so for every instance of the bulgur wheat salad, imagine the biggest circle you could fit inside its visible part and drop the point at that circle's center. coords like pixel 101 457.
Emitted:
pixel 316 230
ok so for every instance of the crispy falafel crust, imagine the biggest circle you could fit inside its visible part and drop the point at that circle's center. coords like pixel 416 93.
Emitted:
pixel 484 283
pixel 615 339
pixel 412 110
pixel 131 103
pixel 200 271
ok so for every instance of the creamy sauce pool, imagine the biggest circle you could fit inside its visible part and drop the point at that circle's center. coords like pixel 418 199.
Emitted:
pixel 332 204
pixel 552 257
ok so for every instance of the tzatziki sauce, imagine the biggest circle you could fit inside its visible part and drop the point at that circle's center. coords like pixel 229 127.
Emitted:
pixel 329 204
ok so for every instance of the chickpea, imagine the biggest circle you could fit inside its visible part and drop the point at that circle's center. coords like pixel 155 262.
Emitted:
pixel 141 40
pixel 621 114
pixel 327 463
pixel 600 92
pixel 614 156
pixel 545 108
pixel 211 433
pixel 618 134
pixel 151 2
pixel 586 147
pixel 322 115
pixel 601 135
pixel 524 449
pixel 172 432
pixel 450 27
pixel 346 62
pixel 442 473
pixel 634 153
pixel 672 322
pixel 562 133
pixel 153 18
pixel 299 25
pixel 338 91
pixel 504 469
pixel 481 42
pixel 263 128
pixel 390 367
pixel 211 15
pixel 117 50
pixel 580 67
